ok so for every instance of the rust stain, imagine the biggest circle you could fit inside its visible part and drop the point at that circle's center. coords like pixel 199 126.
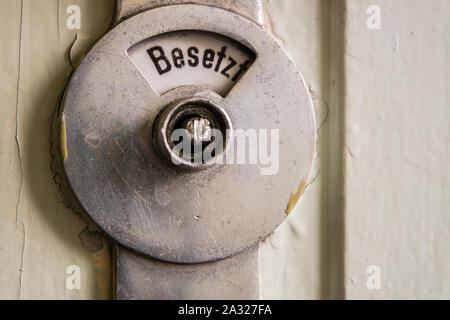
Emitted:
pixel 102 263
pixel 63 138
pixel 295 197
pixel 103 272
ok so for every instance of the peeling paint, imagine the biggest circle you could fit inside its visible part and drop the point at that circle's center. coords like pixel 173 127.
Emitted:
pixel 63 139
pixel 39 235
pixel 295 197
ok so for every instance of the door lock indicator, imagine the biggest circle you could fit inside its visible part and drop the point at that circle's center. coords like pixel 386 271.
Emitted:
pixel 191 57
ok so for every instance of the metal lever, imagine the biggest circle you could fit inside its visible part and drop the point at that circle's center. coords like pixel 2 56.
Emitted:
pixel 140 277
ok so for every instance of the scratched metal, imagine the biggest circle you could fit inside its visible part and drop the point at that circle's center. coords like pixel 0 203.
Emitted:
pixel 145 205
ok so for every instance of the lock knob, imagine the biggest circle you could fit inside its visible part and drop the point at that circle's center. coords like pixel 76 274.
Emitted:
pixel 202 128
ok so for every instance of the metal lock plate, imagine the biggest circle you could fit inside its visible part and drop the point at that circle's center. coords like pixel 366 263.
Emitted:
pixel 204 55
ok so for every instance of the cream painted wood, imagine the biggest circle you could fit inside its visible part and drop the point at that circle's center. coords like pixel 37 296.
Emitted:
pixel 39 237
pixel 397 154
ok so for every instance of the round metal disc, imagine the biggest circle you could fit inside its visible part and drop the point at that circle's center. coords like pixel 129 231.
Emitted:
pixel 146 205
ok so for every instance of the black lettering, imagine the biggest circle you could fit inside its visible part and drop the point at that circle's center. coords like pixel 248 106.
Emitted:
pixel 221 55
pixel 229 67
pixel 208 58
pixel 193 58
pixel 178 58
pixel 242 68
pixel 157 59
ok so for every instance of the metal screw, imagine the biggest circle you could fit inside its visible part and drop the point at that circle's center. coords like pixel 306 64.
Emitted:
pixel 199 129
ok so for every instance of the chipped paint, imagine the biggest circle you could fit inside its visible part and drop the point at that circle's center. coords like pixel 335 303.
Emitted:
pixel 295 197
pixel 63 139
pixel 103 271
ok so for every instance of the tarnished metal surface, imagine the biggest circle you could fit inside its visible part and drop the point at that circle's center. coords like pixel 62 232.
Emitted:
pixel 251 9
pixel 133 195
pixel 138 277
